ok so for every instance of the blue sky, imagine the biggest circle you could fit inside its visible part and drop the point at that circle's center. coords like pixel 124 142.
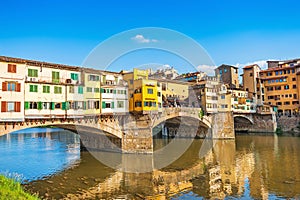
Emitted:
pixel 231 32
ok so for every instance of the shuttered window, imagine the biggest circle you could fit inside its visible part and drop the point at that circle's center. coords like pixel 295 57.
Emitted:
pixel 17 106
pixel 57 90
pixel 3 106
pixel 11 68
pixel 80 90
pixel 33 88
pixel 74 76
pixel 32 72
pixel 46 89
pixel 55 77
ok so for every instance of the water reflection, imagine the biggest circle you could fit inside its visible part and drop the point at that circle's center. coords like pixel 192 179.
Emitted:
pixel 252 167
pixel 36 153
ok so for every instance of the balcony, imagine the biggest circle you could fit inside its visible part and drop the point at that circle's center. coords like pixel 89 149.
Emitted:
pixel 114 83
pixel 44 79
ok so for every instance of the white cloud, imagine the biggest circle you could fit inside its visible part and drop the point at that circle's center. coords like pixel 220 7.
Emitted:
pixel 141 39
pixel 262 63
pixel 209 70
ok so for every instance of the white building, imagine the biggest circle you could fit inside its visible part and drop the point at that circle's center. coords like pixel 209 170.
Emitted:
pixel 12 86
pixel 114 93
pixel 52 91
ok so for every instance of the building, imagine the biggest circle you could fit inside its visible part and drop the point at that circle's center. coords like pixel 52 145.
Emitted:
pixel 224 99
pixel 280 83
pixel 12 85
pixel 142 93
pixel 252 83
pixel 165 73
pixel 228 75
pixel 46 90
pixel 114 93
pixel 204 94
pixel 173 93
pixel 191 77
pixel 241 102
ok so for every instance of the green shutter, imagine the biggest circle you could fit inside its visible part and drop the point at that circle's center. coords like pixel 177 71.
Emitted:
pixel 52 105
pixel 112 104
pixel 63 106
pixel 103 104
pixel 114 91
pixel 26 105
pixel 101 90
pixel 84 105
pixel 29 72
pixel 40 105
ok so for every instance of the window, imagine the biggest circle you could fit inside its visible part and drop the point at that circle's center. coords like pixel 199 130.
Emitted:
pixel 74 76
pixel 286 103
pixel 94 78
pixel 46 89
pixel 12 68
pixel 96 104
pixel 269 74
pixel 150 91
pixel 278 88
pixel 251 74
pixel 32 72
pixel 293 71
pixel 225 70
pixel 80 90
pixel 294 86
pixel 120 104
pixel 295 96
pixel 286 87
pixel 57 105
pixel 11 86
pixel 57 90
pixel 96 90
pixel 164 87
pixel 33 105
pixel 107 105
pixel 55 77
pixel 33 88
pixel 89 89
pixel 221 71
pixel 158 94
pixel 10 106
pixel 131 82
pixel 71 89
pixel 138 104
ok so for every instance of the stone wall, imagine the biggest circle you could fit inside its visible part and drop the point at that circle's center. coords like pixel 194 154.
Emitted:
pixel 288 124
pixel 222 126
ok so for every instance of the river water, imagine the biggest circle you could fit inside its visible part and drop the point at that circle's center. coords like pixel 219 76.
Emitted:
pixel 49 162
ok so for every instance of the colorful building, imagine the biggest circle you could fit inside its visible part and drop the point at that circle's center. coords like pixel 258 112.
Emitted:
pixel 252 83
pixel 142 93
pixel 280 83
pixel 12 89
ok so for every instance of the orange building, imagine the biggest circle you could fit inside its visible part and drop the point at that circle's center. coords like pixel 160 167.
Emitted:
pixel 281 85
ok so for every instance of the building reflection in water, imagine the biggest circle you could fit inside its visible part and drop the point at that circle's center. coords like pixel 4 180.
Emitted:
pixel 257 167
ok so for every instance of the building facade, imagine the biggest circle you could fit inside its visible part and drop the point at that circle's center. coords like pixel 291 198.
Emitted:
pixel 12 89
pixel 228 75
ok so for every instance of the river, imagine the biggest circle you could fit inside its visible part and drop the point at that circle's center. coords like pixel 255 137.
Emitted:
pixel 49 162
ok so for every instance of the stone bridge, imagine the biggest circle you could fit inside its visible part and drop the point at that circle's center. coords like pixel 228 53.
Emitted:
pixel 255 122
pixel 129 133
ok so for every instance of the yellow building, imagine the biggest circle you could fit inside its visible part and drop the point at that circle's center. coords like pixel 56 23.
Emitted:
pixel 142 93
pixel 91 92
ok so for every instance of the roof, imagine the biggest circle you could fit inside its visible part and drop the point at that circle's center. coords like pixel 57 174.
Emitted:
pixel 52 65
pixel 224 65
pixel 250 66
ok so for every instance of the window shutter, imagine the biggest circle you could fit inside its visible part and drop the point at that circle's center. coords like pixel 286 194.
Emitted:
pixel 40 105
pixel 63 105
pixel 102 90
pixel 4 86
pixel 112 104
pixel 17 106
pixel 52 105
pixel 18 87
pixel 103 104
pixel 26 105
pixel 114 91
pixel 3 106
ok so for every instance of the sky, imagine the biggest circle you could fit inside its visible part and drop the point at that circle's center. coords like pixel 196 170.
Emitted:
pixel 230 32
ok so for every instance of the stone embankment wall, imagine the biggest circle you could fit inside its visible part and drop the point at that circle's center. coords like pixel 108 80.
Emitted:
pixel 289 124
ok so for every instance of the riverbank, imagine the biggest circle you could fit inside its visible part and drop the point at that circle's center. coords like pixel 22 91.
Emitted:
pixel 288 126
pixel 11 189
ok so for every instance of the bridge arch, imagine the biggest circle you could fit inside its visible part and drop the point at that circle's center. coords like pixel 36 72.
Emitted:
pixel 244 117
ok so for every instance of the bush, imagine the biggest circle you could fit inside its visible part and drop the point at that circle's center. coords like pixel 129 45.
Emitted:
pixel 11 189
